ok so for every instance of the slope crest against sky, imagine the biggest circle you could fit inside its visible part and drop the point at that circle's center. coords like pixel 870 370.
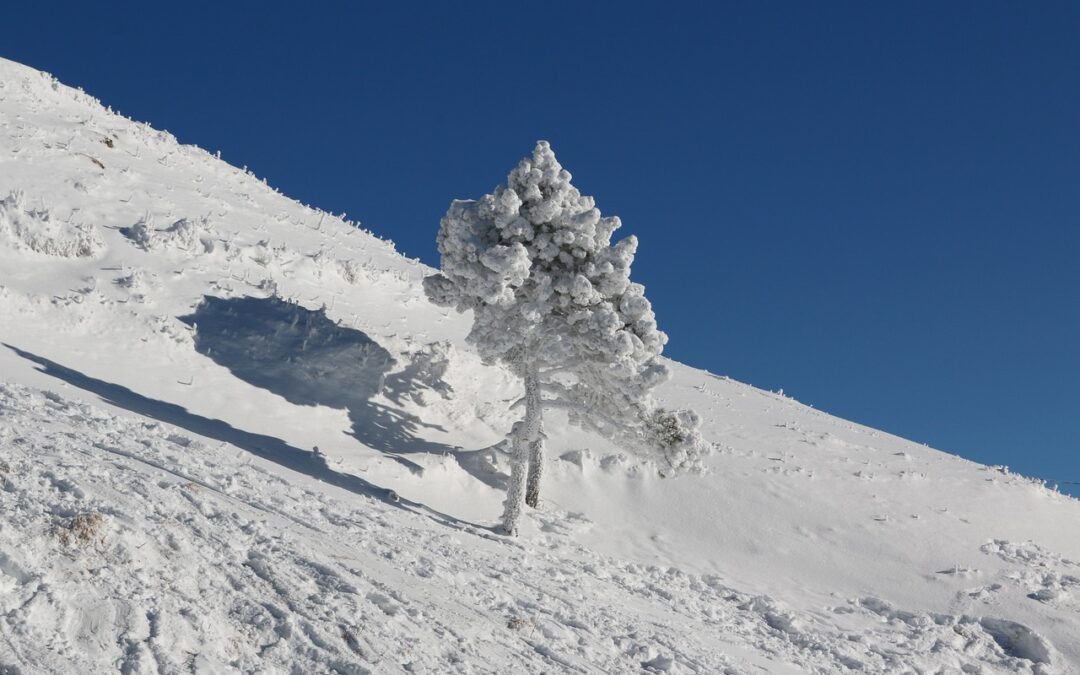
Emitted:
pixel 875 207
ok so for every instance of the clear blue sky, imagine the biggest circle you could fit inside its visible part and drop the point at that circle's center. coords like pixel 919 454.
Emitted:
pixel 875 206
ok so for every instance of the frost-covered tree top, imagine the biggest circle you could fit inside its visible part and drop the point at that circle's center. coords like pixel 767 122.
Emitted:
pixel 550 292
pixel 535 259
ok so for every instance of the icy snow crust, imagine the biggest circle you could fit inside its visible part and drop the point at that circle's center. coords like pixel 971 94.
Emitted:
pixel 235 437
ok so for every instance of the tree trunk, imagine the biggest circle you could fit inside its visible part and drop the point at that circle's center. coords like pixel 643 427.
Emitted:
pixel 536 469
pixel 528 455
pixel 534 424
pixel 515 491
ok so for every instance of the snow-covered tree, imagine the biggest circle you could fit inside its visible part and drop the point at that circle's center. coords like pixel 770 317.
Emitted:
pixel 552 300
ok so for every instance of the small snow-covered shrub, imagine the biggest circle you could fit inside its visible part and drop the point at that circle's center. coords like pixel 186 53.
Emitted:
pixel 188 235
pixel 353 272
pixel 36 230
pixel 192 235
pixel 265 254
pixel 675 433
pixel 349 271
pixel 324 262
pixel 136 282
pixel 268 286
pixel 141 233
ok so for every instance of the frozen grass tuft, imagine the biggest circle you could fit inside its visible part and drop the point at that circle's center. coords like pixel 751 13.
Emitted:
pixel 82 530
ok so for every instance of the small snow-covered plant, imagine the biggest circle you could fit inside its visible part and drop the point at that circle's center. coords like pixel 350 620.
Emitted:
pixel 350 270
pixel 552 300
pixel 38 231
pixel 137 282
pixel 185 234
pixel 141 233
pixel 675 433
pixel 189 234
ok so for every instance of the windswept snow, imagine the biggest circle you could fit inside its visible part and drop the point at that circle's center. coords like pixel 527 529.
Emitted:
pixel 235 437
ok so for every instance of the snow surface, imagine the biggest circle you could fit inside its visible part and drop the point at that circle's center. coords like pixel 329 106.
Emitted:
pixel 236 437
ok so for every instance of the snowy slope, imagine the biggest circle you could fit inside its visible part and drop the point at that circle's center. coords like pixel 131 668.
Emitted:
pixel 180 338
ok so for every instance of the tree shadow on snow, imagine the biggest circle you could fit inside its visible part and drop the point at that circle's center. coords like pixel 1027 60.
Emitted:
pixel 307 359
pixel 267 447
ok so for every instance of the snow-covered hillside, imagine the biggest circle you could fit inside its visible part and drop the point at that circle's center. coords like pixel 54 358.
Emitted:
pixel 235 437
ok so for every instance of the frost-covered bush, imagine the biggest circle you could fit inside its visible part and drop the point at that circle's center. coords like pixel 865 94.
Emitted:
pixel 141 233
pixel 188 235
pixel 675 433
pixel 265 254
pixel 354 272
pixel 191 235
pixel 350 271
pixel 136 282
pixel 552 299
pixel 36 230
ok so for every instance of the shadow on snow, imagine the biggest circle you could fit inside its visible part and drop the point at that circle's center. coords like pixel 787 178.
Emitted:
pixel 267 447
pixel 307 359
